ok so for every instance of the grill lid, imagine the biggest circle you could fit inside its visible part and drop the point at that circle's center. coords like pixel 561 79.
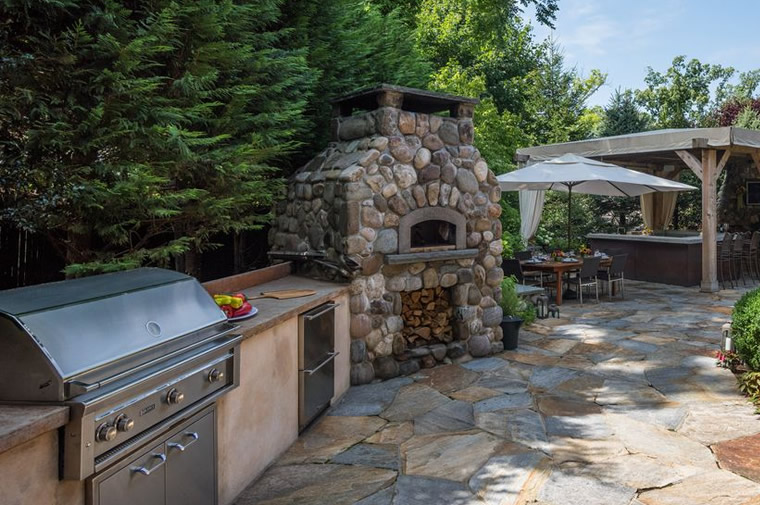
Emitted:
pixel 82 324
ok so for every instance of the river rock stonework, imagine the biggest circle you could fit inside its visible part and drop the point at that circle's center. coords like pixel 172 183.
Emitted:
pixel 733 209
pixel 402 205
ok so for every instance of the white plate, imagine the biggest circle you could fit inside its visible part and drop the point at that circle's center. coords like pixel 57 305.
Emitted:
pixel 252 313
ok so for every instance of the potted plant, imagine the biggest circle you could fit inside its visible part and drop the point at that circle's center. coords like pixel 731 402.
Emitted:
pixel 558 255
pixel 515 312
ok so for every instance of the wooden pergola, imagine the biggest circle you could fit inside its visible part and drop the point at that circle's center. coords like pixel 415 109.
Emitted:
pixel 665 153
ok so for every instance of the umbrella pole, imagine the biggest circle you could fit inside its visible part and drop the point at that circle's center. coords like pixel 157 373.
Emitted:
pixel 569 210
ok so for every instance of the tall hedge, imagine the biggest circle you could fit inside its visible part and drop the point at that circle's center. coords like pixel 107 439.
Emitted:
pixel 746 328
pixel 132 132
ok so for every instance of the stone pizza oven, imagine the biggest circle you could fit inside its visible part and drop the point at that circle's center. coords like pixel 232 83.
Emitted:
pixel 402 205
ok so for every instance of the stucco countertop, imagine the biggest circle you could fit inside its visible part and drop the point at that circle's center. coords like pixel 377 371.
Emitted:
pixel 21 423
pixel 273 312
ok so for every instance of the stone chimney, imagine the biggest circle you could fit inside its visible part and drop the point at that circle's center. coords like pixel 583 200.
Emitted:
pixel 402 206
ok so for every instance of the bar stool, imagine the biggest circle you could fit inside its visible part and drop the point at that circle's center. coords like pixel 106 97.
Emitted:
pixel 749 255
pixel 737 251
pixel 724 260
pixel 756 259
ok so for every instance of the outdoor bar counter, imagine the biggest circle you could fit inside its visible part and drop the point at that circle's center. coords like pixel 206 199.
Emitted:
pixel 668 259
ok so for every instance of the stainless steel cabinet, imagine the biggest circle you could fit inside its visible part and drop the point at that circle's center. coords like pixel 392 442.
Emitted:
pixel 316 362
pixel 190 469
pixel 141 481
pixel 181 470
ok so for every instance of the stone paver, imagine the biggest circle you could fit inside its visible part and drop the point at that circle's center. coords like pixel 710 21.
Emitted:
pixel 615 403
pixel 371 399
pixel 568 489
pixel 502 479
pixel 454 457
pixel 305 485
pixel 413 401
pixel 414 490
pixel 331 436
pixel 717 487
pixel 379 456
pixel 740 456
pixel 452 416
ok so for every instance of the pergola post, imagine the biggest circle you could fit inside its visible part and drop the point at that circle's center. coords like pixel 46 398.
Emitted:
pixel 709 221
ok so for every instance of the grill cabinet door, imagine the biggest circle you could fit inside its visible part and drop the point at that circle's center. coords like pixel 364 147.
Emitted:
pixel 141 482
pixel 191 464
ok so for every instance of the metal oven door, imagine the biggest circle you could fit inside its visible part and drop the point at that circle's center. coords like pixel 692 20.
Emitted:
pixel 179 469
pixel 316 365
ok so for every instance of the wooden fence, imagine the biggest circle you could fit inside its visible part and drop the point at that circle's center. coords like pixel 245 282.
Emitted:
pixel 26 258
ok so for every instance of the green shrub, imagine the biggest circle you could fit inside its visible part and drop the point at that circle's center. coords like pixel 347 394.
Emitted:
pixel 511 243
pixel 749 384
pixel 746 328
pixel 514 305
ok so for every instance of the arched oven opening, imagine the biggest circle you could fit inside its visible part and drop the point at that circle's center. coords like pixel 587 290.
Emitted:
pixel 433 235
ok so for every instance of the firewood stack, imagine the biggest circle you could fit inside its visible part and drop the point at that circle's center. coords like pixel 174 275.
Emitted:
pixel 427 316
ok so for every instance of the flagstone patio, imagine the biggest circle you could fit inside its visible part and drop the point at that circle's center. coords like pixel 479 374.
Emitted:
pixel 616 403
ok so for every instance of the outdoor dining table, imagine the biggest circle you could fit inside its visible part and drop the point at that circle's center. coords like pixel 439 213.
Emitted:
pixel 559 268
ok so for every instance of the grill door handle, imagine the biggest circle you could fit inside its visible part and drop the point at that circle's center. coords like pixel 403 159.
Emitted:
pixel 327 309
pixel 331 356
pixel 148 471
pixel 181 447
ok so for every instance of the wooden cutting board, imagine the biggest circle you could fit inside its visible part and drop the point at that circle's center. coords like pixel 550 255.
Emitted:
pixel 284 294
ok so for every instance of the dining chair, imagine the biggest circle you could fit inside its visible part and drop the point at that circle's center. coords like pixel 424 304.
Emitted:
pixel 523 255
pixel 587 277
pixel 512 267
pixel 615 273
pixel 532 277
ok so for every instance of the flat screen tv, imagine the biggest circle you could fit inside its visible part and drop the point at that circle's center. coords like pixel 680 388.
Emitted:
pixel 753 192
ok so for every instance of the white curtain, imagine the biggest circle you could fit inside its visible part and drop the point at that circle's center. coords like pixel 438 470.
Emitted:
pixel 531 207
pixel 657 209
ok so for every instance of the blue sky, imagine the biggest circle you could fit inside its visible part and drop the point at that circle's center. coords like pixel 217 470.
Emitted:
pixel 623 37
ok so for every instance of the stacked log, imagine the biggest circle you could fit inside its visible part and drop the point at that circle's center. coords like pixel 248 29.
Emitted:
pixel 427 316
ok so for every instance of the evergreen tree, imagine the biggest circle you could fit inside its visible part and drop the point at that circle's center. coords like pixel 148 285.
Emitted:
pixel 351 44
pixel 132 132
pixel 622 115
pixel 556 108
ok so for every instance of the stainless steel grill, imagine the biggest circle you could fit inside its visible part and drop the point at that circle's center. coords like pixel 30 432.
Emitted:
pixel 133 354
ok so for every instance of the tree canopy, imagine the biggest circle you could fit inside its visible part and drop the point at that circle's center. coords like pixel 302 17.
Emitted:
pixel 139 133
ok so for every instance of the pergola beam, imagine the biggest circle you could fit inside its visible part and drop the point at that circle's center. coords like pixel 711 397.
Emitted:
pixel 692 162
pixel 722 163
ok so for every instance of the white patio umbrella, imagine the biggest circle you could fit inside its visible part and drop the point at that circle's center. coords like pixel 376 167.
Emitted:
pixel 576 174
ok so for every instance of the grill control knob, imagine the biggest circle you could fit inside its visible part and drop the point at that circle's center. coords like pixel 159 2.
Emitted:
pixel 105 433
pixel 124 423
pixel 174 396
pixel 215 375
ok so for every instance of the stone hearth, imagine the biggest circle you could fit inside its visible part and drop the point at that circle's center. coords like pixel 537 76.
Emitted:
pixel 401 204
